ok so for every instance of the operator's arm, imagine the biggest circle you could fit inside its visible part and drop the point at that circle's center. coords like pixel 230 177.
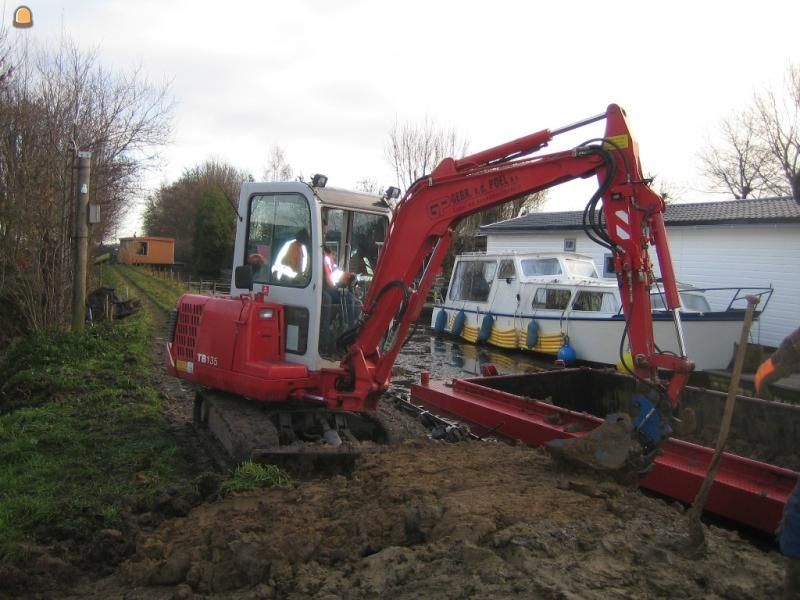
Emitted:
pixel 785 361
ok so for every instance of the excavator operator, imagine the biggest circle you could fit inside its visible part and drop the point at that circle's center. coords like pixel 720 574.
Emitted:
pixel 292 261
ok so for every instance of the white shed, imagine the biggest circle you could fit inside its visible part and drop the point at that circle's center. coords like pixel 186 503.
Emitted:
pixel 735 243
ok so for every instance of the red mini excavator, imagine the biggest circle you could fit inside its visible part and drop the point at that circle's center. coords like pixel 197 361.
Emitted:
pixel 266 355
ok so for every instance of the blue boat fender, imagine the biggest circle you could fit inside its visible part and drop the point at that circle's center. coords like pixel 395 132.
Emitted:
pixel 567 353
pixel 486 328
pixel 441 321
pixel 533 334
pixel 458 323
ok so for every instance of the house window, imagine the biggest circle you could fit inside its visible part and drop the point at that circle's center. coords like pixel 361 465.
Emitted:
pixel 570 244
pixel 608 266
pixel 141 248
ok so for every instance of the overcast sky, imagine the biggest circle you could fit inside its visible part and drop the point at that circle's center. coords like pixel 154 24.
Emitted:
pixel 326 80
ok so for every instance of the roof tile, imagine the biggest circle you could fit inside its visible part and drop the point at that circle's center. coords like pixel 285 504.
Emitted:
pixel 763 210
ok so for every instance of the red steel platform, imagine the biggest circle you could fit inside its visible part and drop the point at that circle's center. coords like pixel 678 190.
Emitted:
pixel 744 490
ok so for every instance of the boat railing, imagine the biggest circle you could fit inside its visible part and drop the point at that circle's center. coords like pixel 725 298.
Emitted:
pixel 760 293
pixel 729 297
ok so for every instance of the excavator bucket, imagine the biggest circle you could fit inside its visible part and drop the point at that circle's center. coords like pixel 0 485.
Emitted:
pixel 609 447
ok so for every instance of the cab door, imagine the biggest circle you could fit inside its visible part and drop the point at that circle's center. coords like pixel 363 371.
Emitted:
pixel 279 237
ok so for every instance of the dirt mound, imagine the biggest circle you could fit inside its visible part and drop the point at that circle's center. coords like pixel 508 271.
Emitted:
pixel 437 520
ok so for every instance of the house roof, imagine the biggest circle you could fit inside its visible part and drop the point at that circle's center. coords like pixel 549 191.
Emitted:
pixel 147 238
pixel 764 210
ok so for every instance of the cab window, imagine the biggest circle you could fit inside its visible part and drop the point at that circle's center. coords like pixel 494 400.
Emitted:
pixel 352 241
pixel 278 240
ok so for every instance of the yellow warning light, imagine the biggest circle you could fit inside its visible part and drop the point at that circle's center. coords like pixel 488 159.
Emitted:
pixel 23 17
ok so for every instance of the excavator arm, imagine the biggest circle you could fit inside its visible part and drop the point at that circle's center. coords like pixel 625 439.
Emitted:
pixel 628 222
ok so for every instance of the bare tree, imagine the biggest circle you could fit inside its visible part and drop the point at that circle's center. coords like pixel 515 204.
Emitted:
pixel 277 167
pixel 52 103
pixel 758 150
pixel 739 163
pixel 779 128
pixel 414 149
pixel 369 185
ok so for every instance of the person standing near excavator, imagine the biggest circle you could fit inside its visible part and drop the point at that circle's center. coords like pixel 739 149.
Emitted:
pixel 784 362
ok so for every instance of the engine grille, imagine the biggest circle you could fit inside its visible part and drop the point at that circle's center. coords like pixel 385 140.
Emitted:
pixel 186 330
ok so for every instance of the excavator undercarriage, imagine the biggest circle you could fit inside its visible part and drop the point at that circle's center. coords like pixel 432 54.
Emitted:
pixel 302 440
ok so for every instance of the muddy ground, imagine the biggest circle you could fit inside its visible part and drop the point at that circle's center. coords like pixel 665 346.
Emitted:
pixel 420 519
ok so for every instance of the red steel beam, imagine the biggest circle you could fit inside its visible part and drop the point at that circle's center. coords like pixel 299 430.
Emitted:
pixel 745 490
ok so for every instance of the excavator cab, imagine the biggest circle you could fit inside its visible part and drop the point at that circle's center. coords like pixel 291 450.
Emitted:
pixel 289 234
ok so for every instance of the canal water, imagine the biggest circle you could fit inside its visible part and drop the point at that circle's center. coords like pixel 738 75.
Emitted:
pixel 446 358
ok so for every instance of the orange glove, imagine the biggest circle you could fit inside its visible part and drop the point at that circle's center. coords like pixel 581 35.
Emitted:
pixel 765 374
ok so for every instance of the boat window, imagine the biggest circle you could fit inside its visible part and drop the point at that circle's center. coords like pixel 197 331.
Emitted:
pixel 657 302
pixel 532 267
pixel 580 268
pixel 554 299
pixel 472 280
pixel 506 270
pixel 689 302
pixel 695 302
pixel 595 301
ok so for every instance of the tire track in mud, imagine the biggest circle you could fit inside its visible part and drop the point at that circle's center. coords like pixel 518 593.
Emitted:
pixel 177 396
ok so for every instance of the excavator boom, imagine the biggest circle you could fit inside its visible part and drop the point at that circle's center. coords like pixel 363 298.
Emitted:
pixel 628 223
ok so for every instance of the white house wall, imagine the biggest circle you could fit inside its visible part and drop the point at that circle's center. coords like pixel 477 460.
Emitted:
pixel 708 256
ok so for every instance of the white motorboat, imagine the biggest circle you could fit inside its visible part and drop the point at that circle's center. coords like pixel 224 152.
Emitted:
pixel 541 301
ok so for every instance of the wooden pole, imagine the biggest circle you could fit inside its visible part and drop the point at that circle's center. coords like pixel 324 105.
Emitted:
pixel 697 536
pixel 83 164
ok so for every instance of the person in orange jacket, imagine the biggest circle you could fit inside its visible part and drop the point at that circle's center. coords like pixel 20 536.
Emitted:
pixel 786 361
pixel 292 262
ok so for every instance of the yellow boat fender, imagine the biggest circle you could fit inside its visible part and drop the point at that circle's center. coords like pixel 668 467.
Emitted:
pixel 625 364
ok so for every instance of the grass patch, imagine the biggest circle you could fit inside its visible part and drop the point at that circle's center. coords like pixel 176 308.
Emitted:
pixel 163 292
pixel 82 437
pixel 250 476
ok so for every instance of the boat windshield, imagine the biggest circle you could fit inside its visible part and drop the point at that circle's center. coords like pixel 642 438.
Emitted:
pixel 533 267
pixel 581 268
pixel 472 280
